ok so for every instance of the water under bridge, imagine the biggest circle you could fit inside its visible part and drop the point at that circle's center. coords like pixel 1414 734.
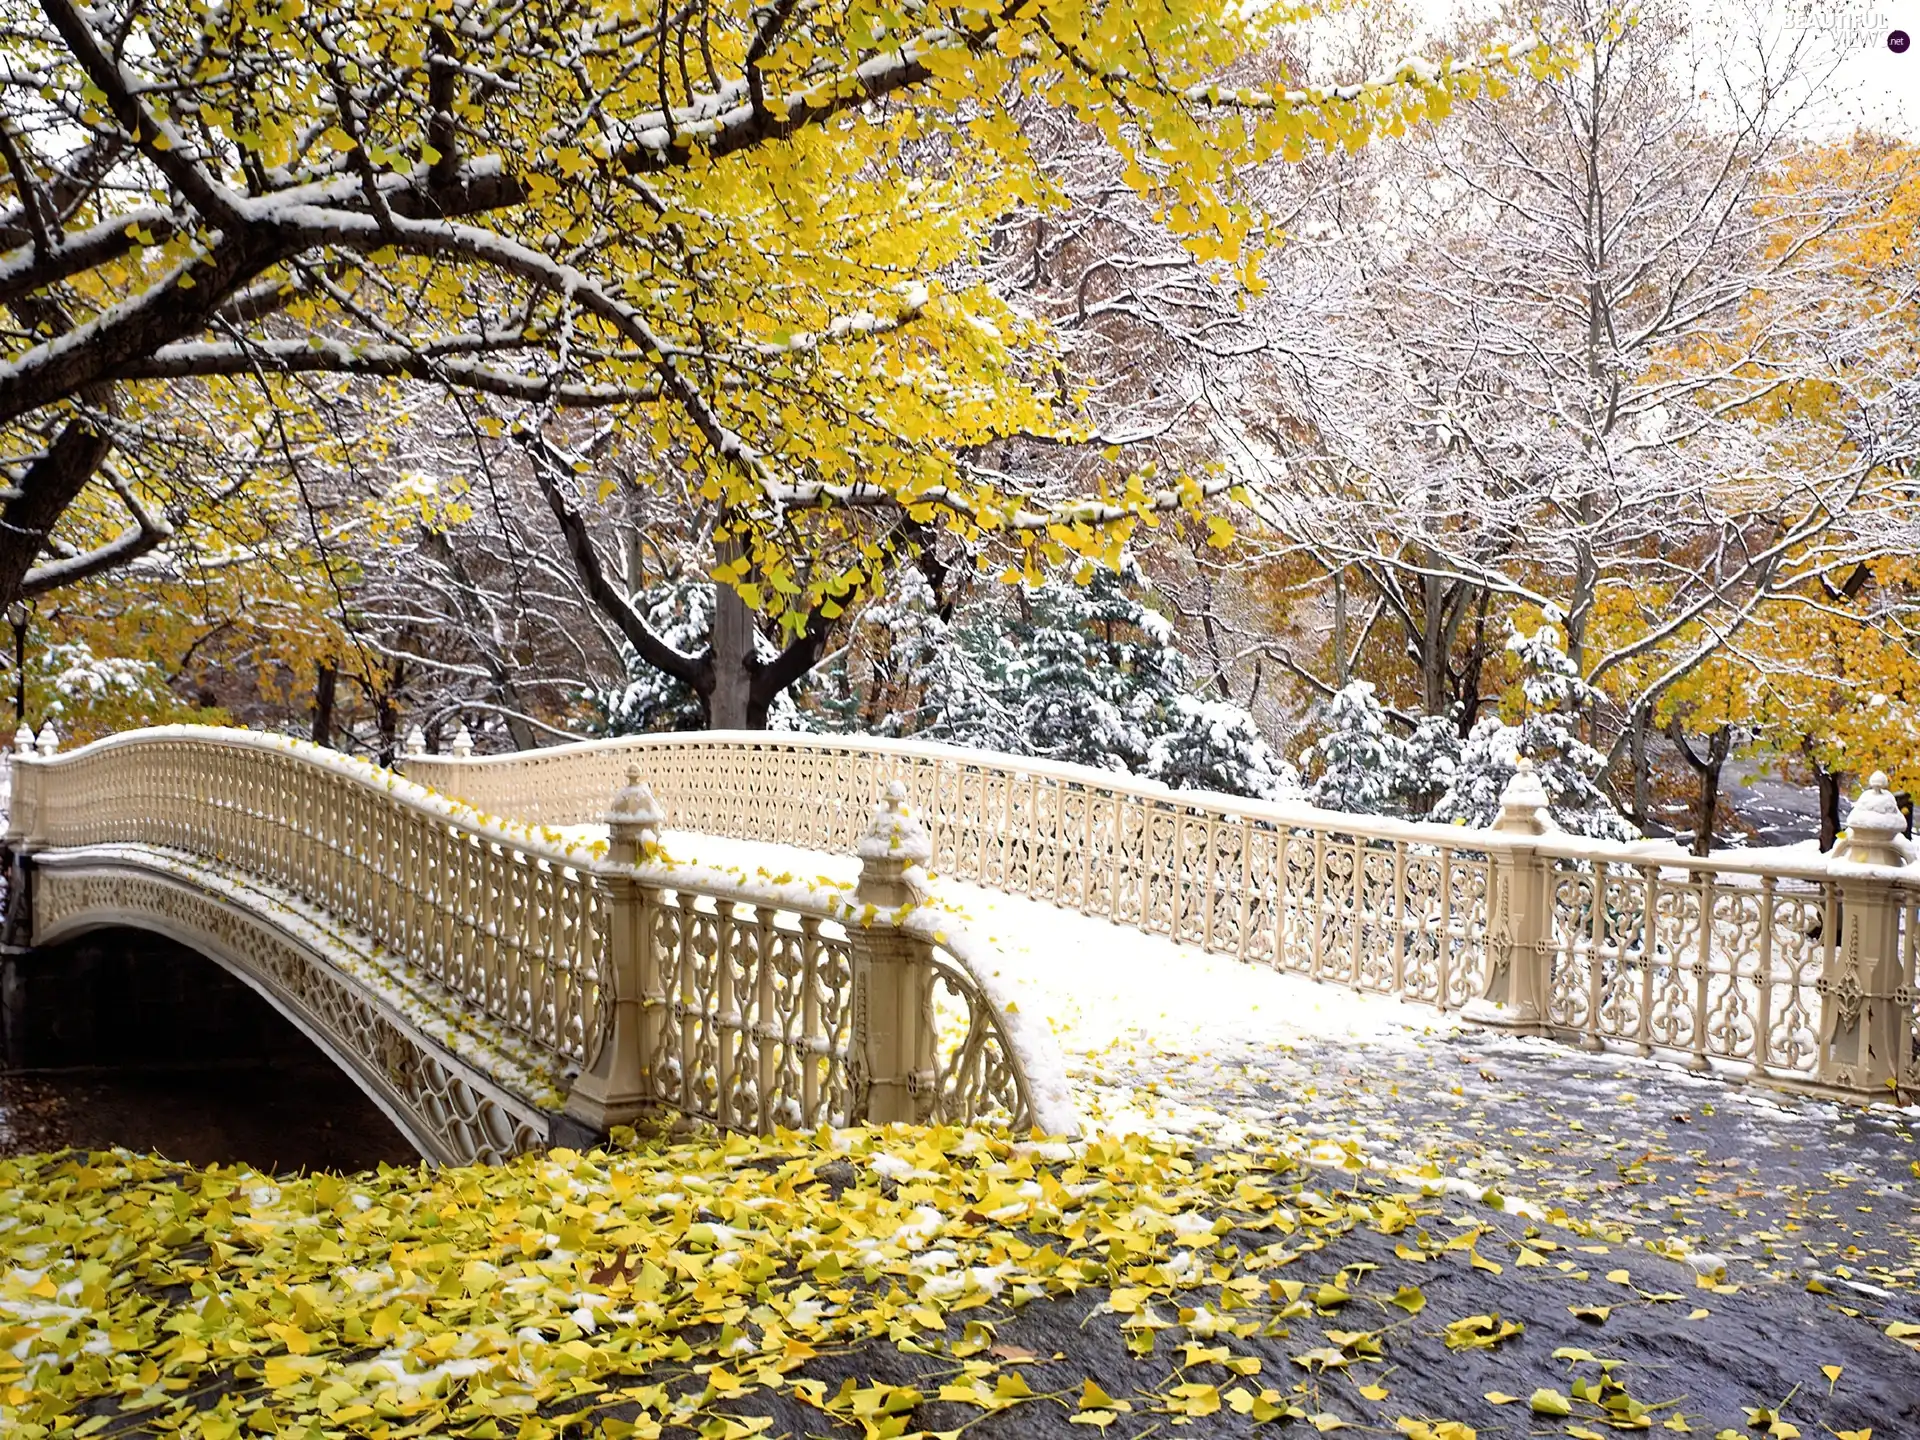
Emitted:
pixel 761 930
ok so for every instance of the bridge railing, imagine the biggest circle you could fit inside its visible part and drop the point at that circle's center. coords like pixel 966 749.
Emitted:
pixel 1793 968
pixel 719 996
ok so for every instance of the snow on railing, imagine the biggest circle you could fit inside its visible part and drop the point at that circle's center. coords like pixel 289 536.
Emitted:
pixel 720 996
pixel 1792 968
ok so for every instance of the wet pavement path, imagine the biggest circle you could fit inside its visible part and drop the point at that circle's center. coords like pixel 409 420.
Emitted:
pixel 1765 1187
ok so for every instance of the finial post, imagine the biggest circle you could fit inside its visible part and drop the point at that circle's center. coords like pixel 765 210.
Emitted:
pixel 1519 935
pixel 1523 803
pixel 893 851
pixel 894 1045
pixel 617 1087
pixel 634 819
pixel 1874 825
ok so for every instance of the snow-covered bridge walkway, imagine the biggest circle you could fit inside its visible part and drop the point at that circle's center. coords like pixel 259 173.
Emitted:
pixel 1161 1038
pixel 1773 965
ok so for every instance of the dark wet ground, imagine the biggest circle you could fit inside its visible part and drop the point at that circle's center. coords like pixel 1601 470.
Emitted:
pixel 1703 1359
pixel 1797 1218
pixel 1772 1186
pixel 298 1113
pixel 1776 1186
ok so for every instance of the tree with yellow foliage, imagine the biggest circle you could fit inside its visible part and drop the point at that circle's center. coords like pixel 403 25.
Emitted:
pixel 1817 668
pixel 720 231
pixel 1563 346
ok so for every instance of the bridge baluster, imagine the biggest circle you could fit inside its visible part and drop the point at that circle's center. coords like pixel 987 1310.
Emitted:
pixel 622 1081
pixel 892 975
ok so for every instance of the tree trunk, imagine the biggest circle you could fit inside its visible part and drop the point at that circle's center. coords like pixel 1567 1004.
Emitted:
pixel 41 496
pixel 1433 654
pixel 1828 783
pixel 1221 685
pixel 387 713
pixel 1642 779
pixel 1710 791
pixel 326 684
pixel 1474 666
pixel 1340 675
pixel 1708 768
pixel 730 706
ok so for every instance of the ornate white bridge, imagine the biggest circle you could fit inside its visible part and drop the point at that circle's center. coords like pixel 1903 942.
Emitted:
pixel 497 983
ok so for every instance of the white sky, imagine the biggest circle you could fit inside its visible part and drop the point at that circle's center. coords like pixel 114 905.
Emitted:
pixel 1872 86
pixel 1875 77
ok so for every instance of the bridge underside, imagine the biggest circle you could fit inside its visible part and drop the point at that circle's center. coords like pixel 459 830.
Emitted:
pixel 458 1094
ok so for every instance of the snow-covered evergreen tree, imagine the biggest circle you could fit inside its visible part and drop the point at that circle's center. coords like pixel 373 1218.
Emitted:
pixel 1355 763
pixel 1548 735
pixel 1213 745
pixel 680 612
pixel 1486 762
pixel 1086 673
pixel 1098 673
pixel 1429 759
pixel 908 671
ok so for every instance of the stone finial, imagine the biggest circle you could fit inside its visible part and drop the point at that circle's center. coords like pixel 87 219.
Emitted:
pixel 462 745
pixel 23 739
pixel 895 832
pixel 48 743
pixel 1523 804
pixel 416 741
pixel 893 844
pixel 1873 825
pixel 634 814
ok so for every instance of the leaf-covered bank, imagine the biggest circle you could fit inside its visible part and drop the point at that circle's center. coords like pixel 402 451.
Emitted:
pixel 879 1283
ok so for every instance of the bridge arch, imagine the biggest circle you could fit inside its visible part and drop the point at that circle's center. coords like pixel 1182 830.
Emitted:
pixel 446 1110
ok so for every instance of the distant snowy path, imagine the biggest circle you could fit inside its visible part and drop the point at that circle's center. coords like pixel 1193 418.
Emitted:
pixel 1163 1039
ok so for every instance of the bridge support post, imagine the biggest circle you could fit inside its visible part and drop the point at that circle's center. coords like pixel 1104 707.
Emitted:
pixel 1519 915
pixel 893 1030
pixel 1866 998
pixel 616 1089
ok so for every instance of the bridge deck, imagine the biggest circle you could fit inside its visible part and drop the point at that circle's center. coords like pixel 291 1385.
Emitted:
pixel 1123 1005
pixel 1163 1038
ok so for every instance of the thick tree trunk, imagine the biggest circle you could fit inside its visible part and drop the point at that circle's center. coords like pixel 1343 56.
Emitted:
pixel 1709 793
pixel 326 686
pixel 730 706
pixel 1475 665
pixel 1827 782
pixel 518 730
pixel 1433 654
pixel 1708 768
pixel 42 495
pixel 387 713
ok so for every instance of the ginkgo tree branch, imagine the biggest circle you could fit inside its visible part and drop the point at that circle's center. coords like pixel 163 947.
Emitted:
pixel 201 360
pixel 148 532
pixel 358 193
pixel 556 476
